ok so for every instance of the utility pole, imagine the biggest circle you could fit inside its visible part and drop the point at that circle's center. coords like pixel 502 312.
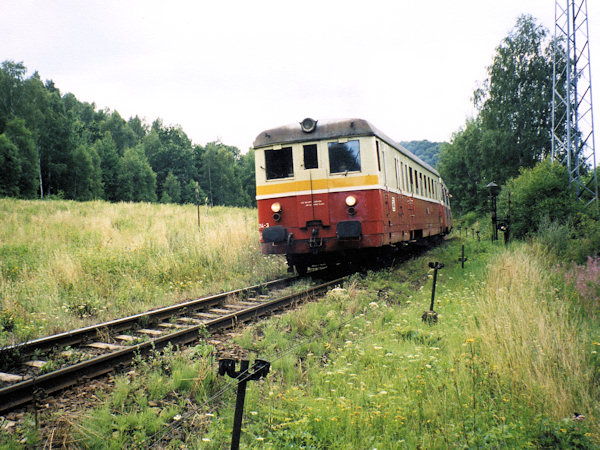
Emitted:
pixel 572 110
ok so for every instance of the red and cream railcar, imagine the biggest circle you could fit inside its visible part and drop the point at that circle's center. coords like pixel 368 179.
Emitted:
pixel 328 191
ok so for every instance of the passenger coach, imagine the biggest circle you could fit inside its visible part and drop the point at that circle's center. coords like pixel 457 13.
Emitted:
pixel 330 191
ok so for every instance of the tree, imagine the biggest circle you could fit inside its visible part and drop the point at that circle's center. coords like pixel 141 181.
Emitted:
pixel 247 175
pixel 171 189
pixel 512 129
pixel 86 174
pixel 139 128
pixel 169 150
pixel 19 135
pixel 136 179
pixel 11 92
pixel 11 167
pixel 122 134
pixel 109 165
pixel 218 177
pixel 516 99
pixel 188 194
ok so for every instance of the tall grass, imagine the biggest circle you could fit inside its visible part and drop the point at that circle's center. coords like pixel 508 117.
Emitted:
pixel 511 359
pixel 508 364
pixel 533 332
pixel 65 264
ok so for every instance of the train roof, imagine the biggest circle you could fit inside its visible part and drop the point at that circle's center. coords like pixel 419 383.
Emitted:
pixel 329 129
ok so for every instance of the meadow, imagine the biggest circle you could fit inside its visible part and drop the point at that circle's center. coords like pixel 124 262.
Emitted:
pixel 67 264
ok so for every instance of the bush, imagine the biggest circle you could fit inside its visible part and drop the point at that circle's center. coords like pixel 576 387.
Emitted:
pixel 539 196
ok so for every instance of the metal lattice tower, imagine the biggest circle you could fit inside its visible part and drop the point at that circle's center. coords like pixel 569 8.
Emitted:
pixel 572 111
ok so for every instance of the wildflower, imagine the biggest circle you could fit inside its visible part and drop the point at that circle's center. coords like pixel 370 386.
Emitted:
pixel 469 340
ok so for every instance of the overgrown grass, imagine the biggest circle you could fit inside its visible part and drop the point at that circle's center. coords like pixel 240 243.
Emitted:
pixel 66 264
pixel 513 357
pixel 509 363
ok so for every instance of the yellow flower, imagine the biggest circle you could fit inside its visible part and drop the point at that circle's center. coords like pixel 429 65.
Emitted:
pixel 470 340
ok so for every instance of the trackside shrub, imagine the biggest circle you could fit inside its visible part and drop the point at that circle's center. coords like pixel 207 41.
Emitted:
pixel 539 195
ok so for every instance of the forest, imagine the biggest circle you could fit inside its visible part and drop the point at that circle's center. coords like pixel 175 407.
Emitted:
pixel 54 146
pixel 427 151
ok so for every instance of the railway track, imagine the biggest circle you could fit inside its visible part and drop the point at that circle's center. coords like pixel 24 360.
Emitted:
pixel 45 366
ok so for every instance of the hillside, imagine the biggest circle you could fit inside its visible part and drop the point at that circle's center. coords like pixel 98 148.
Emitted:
pixel 426 150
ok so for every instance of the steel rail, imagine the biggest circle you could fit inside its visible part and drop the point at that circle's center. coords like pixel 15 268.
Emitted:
pixel 26 391
pixel 74 337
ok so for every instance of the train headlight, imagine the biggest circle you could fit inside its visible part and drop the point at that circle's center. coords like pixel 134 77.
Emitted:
pixel 351 200
pixel 276 207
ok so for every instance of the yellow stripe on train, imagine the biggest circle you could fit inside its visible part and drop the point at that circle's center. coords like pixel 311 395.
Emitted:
pixel 322 184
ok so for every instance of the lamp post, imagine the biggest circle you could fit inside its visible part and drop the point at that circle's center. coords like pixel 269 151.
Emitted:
pixel 494 189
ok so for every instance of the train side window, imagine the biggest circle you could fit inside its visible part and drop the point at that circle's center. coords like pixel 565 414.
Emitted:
pixel 378 159
pixel 397 167
pixel 310 156
pixel 279 163
pixel 411 179
pixel 403 181
pixel 421 182
pixel 416 182
pixel 344 157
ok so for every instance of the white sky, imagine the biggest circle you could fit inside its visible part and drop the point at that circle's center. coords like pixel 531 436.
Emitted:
pixel 230 69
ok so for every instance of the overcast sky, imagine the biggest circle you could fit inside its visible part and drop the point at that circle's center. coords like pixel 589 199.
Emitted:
pixel 230 69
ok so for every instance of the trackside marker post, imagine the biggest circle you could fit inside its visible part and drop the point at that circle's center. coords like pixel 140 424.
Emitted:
pixel 462 259
pixel 431 316
pixel 260 369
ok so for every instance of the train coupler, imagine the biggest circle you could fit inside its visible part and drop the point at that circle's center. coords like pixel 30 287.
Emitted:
pixel 315 242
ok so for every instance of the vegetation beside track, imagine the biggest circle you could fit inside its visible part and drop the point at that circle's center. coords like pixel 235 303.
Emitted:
pixel 65 264
pixel 513 357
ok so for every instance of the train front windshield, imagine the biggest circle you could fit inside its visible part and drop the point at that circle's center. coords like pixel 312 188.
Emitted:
pixel 344 157
pixel 279 163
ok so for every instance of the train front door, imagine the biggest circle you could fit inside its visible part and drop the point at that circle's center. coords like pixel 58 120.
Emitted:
pixel 313 199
